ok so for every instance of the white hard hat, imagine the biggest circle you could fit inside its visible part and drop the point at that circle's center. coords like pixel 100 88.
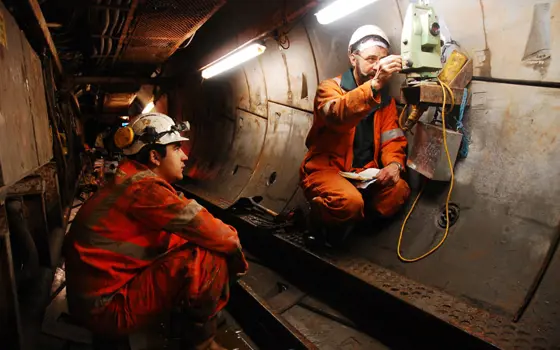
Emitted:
pixel 365 31
pixel 149 128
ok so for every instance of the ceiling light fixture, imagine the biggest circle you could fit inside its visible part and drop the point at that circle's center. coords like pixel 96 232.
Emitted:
pixel 339 9
pixel 233 59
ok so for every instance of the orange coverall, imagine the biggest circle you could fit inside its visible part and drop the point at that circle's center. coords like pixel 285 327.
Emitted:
pixel 137 249
pixel 330 150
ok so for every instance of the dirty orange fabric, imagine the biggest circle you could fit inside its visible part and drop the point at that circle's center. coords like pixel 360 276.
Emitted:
pixel 330 150
pixel 190 276
pixel 338 200
pixel 139 242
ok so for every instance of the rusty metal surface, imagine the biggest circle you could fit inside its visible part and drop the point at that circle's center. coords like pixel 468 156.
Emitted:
pixel 491 25
pixel 321 324
pixel 211 197
pixel 38 104
pixel 293 80
pixel 494 328
pixel 468 316
pixel 172 20
pixel 254 79
pixel 431 94
pixel 262 223
pixel 287 336
pixel 18 150
pixel 507 187
pixel 327 332
pixel 49 175
pixel 276 176
pixel 213 129
pixel 28 186
pixel 225 173
pixel 428 156
pixel 382 316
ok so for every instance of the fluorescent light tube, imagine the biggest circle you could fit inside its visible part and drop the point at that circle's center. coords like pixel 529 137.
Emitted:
pixel 339 9
pixel 148 108
pixel 234 59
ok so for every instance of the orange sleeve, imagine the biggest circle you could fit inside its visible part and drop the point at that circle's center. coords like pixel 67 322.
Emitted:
pixel 393 141
pixel 157 206
pixel 343 111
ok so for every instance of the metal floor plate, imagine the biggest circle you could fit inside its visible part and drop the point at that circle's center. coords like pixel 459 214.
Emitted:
pixel 493 328
pixel 538 329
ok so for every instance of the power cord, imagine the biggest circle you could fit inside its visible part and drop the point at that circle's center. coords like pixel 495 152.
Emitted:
pixel 445 89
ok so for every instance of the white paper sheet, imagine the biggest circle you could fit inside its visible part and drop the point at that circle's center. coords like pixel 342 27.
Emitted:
pixel 362 179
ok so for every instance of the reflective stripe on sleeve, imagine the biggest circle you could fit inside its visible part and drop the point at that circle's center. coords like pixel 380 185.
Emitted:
pixel 391 134
pixel 183 217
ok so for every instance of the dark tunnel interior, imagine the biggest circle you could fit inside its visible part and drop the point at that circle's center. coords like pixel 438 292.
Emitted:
pixel 248 128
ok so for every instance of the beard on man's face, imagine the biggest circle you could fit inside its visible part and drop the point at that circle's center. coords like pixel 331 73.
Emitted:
pixel 365 76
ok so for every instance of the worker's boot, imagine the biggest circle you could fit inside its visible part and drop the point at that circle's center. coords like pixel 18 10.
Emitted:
pixel 314 236
pixel 209 344
pixel 336 235
pixel 200 336
pixel 319 234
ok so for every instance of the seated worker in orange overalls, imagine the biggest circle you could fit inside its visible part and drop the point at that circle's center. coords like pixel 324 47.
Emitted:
pixel 138 249
pixel 354 128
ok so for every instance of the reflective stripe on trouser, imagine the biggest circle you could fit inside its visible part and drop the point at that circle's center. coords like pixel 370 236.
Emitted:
pixel 338 201
pixel 391 134
pixel 190 276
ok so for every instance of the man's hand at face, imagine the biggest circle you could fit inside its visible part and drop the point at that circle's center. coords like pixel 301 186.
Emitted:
pixel 389 175
pixel 387 66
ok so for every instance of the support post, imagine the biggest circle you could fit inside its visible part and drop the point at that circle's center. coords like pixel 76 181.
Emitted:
pixel 10 320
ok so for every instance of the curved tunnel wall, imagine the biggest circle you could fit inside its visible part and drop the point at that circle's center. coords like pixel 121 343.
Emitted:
pixel 251 123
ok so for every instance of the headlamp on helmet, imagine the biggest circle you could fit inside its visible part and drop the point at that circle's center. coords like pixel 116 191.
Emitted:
pixel 151 128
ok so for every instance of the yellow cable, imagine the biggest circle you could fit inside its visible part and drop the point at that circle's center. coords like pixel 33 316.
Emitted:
pixel 450 93
pixel 401 124
pixel 444 87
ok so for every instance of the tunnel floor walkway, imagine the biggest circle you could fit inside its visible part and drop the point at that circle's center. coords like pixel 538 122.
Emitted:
pixel 389 306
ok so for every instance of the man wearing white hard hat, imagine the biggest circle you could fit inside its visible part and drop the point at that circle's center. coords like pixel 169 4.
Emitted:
pixel 355 128
pixel 138 249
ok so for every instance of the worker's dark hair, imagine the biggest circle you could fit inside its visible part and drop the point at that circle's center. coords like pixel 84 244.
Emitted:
pixel 354 47
pixel 143 156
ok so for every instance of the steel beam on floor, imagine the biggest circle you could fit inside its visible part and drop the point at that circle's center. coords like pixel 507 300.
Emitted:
pixel 264 326
pixel 393 320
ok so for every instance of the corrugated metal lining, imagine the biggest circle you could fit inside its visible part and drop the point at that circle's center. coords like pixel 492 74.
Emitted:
pixel 161 26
